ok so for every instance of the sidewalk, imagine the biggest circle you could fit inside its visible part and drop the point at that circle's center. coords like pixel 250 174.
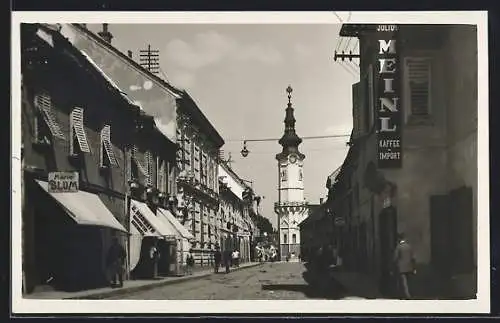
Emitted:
pixel 130 286
pixel 357 284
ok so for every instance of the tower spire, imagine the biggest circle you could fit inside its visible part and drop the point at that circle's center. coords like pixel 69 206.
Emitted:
pixel 290 141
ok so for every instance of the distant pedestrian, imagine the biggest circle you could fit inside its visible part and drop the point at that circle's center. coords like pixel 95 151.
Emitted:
pixel 405 263
pixel 236 258
pixel 217 259
pixel 189 263
pixel 154 256
pixel 227 260
pixel 115 261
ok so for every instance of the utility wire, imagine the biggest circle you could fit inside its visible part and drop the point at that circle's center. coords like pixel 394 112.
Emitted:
pixel 276 139
pixel 338 17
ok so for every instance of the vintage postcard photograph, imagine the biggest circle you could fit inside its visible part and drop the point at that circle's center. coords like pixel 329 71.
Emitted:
pixel 265 162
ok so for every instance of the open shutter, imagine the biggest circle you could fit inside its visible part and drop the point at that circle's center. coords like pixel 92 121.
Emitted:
pixel 108 147
pixel 419 72
pixel 140 164
pixel 77 124
pixel 150 168
pixel 43 103
pixel 161 176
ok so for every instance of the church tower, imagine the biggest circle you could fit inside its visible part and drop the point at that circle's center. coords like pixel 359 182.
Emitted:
pixel 291 207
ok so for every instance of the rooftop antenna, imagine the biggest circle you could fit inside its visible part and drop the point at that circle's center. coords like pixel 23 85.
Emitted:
pixel 150 59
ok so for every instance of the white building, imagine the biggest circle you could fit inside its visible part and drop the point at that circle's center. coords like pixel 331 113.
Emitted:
pixel 291 207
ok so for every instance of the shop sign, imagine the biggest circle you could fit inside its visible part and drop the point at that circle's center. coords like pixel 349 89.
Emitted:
pixel 63 182
pixel 388 108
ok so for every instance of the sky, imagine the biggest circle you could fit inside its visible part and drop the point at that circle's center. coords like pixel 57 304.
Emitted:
pixel 237 74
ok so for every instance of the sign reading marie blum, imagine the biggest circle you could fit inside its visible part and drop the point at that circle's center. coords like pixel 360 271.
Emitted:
pixel 63 182
pixel 389 114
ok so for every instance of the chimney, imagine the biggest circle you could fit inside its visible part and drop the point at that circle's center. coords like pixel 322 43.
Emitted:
pixel 129 54
pixel 320 200
pixel 105 34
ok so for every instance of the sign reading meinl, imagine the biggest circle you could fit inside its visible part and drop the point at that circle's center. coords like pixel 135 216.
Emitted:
pixel 63 182
pixel 389 114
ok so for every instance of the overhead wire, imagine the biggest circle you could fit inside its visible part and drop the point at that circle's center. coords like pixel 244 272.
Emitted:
pixel 303 138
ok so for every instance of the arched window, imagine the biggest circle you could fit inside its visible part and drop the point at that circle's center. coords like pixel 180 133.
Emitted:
pixel 285 238
pixel 294 238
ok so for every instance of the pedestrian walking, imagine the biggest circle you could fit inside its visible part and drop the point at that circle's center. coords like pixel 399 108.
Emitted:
pixel 405 263
pixel 227 260
pixel 217 259
pixel 236 258
pixel 189 263
pixel 115 260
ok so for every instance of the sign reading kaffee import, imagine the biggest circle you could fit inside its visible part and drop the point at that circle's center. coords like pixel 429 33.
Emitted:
pixel 388 108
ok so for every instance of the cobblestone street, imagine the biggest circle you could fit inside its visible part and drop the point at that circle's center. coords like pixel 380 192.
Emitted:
pixel 269 281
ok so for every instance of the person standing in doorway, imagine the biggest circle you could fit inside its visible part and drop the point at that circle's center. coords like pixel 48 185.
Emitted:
pixel 217 259
pixel 115 261
pixel 154 257
pixel 405 264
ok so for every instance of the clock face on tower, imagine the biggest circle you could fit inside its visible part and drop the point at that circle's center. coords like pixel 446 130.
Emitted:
pixel 292 159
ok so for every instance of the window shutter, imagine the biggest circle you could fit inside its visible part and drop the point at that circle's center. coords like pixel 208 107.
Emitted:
pixel 140 164
pixel 150 168
pixel 77 123
pixel 108 147
pixel 43 103
pixel 161 176
pixel 129 159
pixel 419 71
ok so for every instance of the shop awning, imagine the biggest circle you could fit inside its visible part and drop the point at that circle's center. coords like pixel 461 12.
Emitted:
pixel 174 222
pixel 147 223
pixel 85 208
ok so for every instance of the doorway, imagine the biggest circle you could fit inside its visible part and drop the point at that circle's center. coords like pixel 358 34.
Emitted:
pixel 387 241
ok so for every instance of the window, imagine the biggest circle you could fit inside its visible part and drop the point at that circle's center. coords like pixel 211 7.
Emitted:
pixel 161 182
pixel 285 238
pixel 107 155
pixel 418 85
pixel 45 120
pixel 294 238
pixel 78 142
pixel 283 175
pixel 300 174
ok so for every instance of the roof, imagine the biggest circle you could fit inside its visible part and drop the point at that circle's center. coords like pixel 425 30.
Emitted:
pixel 53 32
pixel 107 78
pixel 115 50
pixel 200 119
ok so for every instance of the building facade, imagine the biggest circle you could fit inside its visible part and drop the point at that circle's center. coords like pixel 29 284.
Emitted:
pixel 235 213
pixel 412 163
pixel 153 166
pixel 291 207
pixel 76 130
pixel 198 185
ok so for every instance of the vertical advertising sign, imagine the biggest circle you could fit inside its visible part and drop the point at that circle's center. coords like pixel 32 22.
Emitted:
pixel 388 103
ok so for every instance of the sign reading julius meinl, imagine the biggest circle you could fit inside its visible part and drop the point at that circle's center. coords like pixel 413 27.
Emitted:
pixel 389 114
pixel 63 182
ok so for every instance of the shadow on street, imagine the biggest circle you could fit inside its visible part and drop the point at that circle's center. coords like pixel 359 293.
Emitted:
pixel 319 284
